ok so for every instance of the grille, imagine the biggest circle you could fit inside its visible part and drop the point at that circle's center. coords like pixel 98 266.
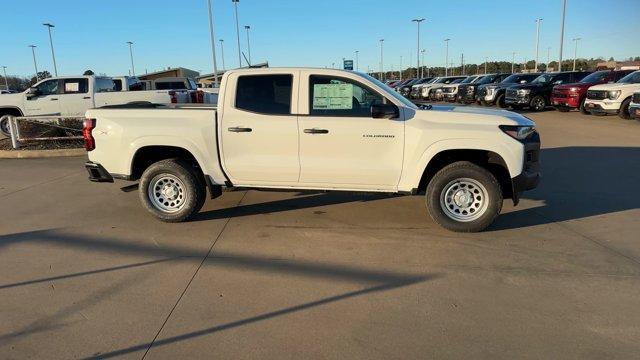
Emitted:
pixel 482 92
pixel 448 90
pixel 511 94
pixel 596 94
pixel 636 98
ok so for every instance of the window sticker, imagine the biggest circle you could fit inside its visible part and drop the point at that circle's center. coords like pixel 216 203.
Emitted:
pixel 71 87
pixel 332 96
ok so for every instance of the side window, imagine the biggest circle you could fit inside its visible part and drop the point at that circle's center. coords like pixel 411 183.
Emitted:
pixel 562 79
pixel 265 94
pixel 48 87
pixel 76 86
pixel 619 75
pixel 117 85
pixel 104 85
pixel 332 96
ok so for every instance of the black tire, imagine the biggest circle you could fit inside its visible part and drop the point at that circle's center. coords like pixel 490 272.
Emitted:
pixel 623 113
pixel 4 125
pixel 537 103
pixel 582 109
pixel 500 101
pixel 443 180
pixel 193 189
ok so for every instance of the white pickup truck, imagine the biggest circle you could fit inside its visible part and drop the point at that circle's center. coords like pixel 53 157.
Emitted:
pixel 72 96
pixel 321 129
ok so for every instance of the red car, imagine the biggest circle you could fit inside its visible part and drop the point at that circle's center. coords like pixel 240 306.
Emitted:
pixel 571 96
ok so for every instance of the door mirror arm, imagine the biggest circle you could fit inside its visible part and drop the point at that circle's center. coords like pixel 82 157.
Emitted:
pixel 32 93
pixel 384 111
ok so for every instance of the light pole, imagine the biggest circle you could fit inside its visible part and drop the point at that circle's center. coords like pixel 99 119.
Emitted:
pixel 422 68
pixel 235 3
pixel 35 65
pixel 446 61
pixel 357 66
pixel 53 55
pixel 212 38
pixel 538 22
pixel 133 69
pixel 575 51
pixel 400 67
pixel 418 21
pixel 222 52
pixel 381 60
pixel 548 58
pixel 6 82
pixel 485 64
pixel 564 10
pixel 247 27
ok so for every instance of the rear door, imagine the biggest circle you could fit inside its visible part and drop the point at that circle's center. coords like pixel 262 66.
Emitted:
pixel 258 128
pixel 340 142
pixel 75 97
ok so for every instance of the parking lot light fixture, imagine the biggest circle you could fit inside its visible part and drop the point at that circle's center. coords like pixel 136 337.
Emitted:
pixel 35 64
pixel 538 23
pixel 564 10
pixel 222 52
pixel 235 4
pixel 575 51
pixel 212 38
pixel 133 69
pixel 418 21
pixel 53 54
pixel 247 27
pixel 446 62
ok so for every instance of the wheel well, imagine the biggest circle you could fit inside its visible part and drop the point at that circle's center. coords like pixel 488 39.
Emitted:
pixel 148 155
pixel 10 111
pixel 486 159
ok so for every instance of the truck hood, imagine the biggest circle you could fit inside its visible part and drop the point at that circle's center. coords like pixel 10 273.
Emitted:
pixel 529 86
pixel 614 86
pixel 574 85
pixel 477 115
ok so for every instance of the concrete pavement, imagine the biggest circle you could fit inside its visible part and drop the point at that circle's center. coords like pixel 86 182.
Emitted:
pixel 85 272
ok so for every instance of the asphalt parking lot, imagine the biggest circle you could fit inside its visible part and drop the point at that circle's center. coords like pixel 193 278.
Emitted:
pixel 86 272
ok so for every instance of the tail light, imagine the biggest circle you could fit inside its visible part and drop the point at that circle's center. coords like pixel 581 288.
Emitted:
pixel 174 97
pixel 87 127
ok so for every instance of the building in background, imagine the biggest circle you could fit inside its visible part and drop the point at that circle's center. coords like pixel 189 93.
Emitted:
pixel 170 72
pixel 619 65
pixel 207 80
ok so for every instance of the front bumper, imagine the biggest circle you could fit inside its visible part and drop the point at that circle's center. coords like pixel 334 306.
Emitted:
pixel 97 173
pixel 518 100
pixel 529 178
pixel 567 102
pixel 450 96
pixel 602 106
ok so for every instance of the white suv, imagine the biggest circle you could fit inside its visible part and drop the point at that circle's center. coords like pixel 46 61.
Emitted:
pixel 613 98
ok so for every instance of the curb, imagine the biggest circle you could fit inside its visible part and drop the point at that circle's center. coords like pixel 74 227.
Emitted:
pixel 31 154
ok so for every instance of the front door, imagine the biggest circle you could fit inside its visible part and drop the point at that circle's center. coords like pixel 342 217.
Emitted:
pixel 46 101
pixel 75 98
pixel 258 130
pixel 340 142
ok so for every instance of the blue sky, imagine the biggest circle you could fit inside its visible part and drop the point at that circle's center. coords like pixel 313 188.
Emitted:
pixel 92 34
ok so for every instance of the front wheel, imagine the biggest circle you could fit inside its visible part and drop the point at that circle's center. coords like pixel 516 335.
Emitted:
pixel 464 197
pixel 583 110
pixel 623 113
pixel 538 103
pixel 4 125
pixel 171 190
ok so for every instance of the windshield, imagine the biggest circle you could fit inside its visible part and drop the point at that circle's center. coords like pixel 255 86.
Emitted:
pixel 469 79
pixel 391 93
pixel 597 76
pixel 512 79
pixel 457 81
pixel 486 80
pixel 543 79
pixel 633 78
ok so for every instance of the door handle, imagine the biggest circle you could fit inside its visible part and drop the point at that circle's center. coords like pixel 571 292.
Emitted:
pixel 239 129
pixel 87 97
pixel 316 131
pixel 54 99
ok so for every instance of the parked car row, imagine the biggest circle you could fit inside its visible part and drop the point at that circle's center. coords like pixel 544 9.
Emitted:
pixel 598 93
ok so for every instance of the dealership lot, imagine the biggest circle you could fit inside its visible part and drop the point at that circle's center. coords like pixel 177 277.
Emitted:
pixel 86 272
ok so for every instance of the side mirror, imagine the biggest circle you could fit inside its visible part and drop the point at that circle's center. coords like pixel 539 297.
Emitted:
pixel 384 111
pixel 523 81
pixel 32 92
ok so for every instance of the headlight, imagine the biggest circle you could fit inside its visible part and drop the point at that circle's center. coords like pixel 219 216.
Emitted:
pixel 574 89
pixel 523 92
pixel 490 90
pixel 612 95
pixel 518 132
pixel 470 89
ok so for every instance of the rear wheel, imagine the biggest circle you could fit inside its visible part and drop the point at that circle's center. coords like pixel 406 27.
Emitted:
pixel 623 113
pixel 538 103
pixel 464 197
pixel 172 190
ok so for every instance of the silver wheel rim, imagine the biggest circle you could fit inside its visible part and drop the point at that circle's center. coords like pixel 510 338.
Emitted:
pixel 464 199
pixel 167 193
pixel 538 104
pixel 4 124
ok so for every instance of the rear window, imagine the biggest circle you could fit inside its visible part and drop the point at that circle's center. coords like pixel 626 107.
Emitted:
pixel 171 85
pixel 76 86
pixel 104 85
pixel 265 94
